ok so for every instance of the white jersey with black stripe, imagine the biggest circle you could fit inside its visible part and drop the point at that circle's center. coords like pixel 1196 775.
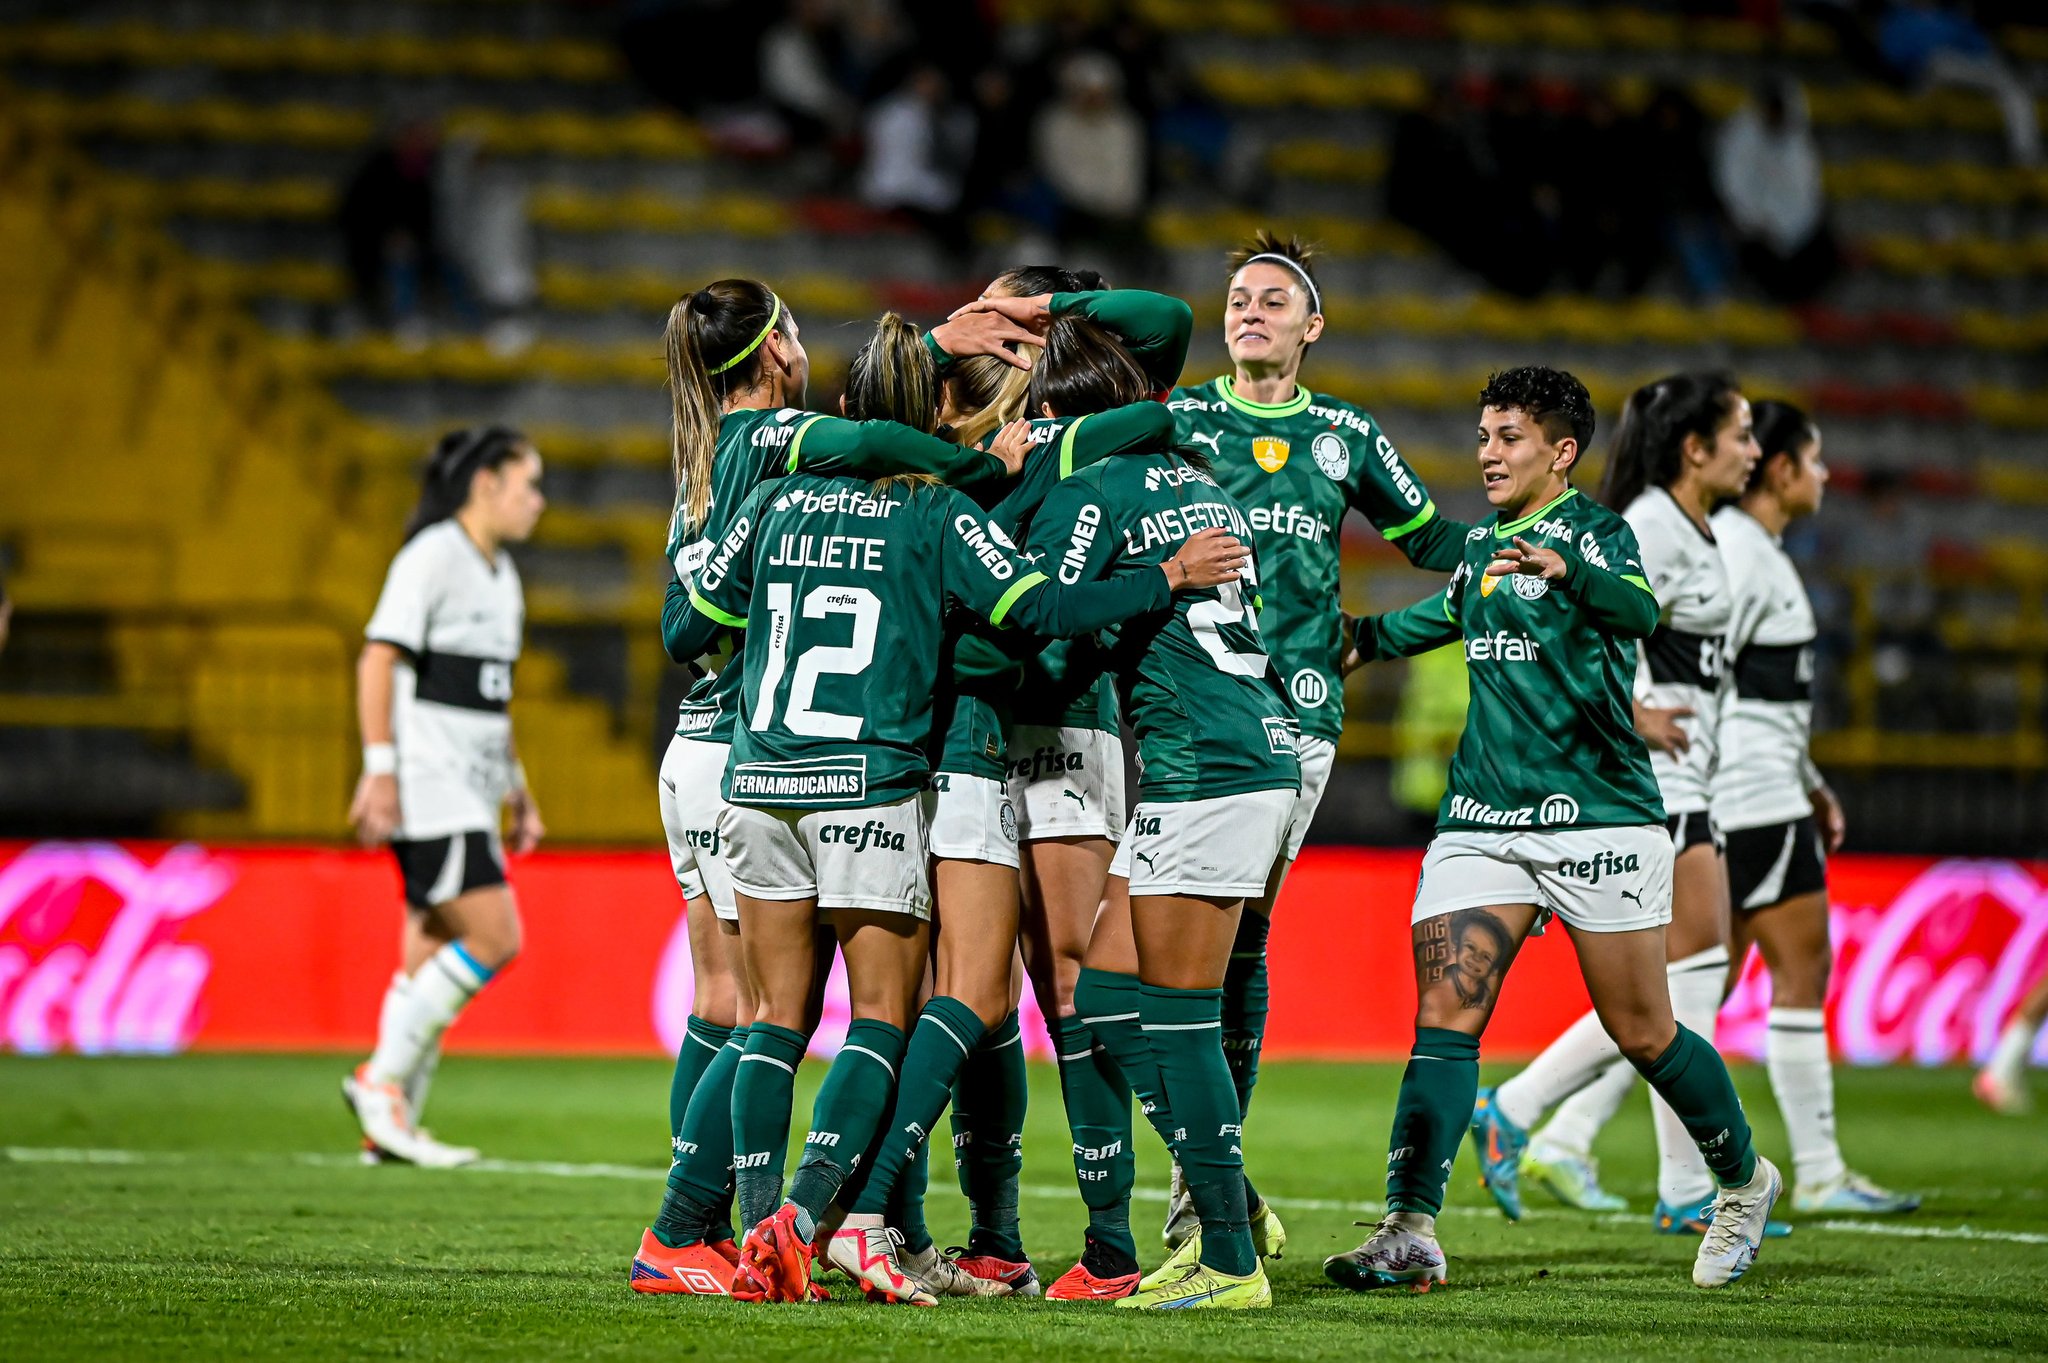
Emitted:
pixel 458 618
pixel 1681 661
pixel 1765 775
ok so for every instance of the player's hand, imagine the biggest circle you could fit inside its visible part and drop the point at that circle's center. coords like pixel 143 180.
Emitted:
pixel 984 332
pixel 1353 659
pixel 1034 313
pixel 1525 558
pixel 1011 445
pixel 1828 813
pixel 1208 558
pixel 1661 729
pixel 374 811
pixel 527 829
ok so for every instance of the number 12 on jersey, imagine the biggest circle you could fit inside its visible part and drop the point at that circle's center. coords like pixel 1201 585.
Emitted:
pixel 816 661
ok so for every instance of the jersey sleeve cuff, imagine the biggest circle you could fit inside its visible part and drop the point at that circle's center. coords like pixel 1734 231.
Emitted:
pixel 723 617
pixel 1412 524
pixel 1009 598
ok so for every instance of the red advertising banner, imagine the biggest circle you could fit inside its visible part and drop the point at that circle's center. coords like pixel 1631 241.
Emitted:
pixel 132 947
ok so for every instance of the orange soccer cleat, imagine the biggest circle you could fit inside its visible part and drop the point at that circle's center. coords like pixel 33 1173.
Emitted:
pixel 775 1262
pixel 698 1270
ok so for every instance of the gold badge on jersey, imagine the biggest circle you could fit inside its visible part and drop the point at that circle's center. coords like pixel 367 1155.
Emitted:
pixel 1271 453
pixel 1487 584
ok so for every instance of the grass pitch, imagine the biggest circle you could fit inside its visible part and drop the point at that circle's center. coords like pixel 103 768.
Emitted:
pixel 209 1207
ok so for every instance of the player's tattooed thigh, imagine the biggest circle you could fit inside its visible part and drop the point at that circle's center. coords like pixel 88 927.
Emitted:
pixel 1470 948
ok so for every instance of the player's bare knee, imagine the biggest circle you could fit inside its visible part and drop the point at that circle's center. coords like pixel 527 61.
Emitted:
pixel 1641 1039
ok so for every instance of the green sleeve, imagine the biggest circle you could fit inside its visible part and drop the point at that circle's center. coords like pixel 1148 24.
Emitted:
pixel 1408 631
pixel 878 449
pixel 1606 577
pixel 1154 327
pixel 984 573
pixel 1140 428
pixel 1383 489
pixel 1073 536
pixel 720 591
pixel 941 361
pixel 686 633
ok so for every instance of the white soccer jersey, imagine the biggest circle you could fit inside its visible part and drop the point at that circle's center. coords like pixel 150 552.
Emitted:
pixel 1680 665
pixel 1764 774
pixel 459 617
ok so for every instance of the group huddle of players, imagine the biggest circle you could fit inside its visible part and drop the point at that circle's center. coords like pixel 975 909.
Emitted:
pixel 920 629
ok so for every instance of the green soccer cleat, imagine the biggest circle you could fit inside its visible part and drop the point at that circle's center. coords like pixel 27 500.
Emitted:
pixel 1205 1289
pixel 1571 1179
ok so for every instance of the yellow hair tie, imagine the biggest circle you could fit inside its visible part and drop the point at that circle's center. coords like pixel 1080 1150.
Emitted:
pixel 774 316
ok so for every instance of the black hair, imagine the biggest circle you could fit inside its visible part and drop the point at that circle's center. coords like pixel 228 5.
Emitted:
pixel 1487 923
pixel 1781 428
pixel 444 484
pixel 1650 442
pixel 1084 369
pixel 1029 281
pixel 1551 398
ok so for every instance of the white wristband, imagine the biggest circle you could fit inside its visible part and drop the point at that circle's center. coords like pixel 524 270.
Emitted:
pixel 380 759
pixel 519 776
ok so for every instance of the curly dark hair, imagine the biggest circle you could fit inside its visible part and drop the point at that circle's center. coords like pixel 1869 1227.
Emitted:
pixel 1551 398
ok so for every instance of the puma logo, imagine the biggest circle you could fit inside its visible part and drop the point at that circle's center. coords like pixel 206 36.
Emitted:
pixel 1145 857
pixel 1079 799
pixel 1214 442
pixel 1631 894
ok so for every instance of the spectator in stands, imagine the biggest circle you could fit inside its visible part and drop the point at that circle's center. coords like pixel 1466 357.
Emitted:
pixel 1767 170
pixel 919 140
pixel 1521 183
pixel 1929 43
pixel 387 223
pixel 1433 168
pixel 801 60
pixel 1607 219
pixel 487 239
pixel 1671 174
pixel 1090 147
pixel 1000 175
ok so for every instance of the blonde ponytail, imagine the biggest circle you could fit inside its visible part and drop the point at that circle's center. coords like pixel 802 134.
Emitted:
pixel 726 322
pixel 994 393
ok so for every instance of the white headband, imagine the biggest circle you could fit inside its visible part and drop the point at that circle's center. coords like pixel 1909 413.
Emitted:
pixel 1315 297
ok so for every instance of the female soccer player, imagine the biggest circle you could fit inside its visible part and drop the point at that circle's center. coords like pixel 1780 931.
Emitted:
pixel 824 785
pixel 737 372
pixel 1552 811
pixel 2002 1084
pixel 1778 815
pixel 1218 781
pixel 1685 444
pixel 1298 462
pixel 439 767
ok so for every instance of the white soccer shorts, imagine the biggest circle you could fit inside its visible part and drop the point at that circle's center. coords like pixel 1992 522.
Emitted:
pixel 1223 848
pixel 1595 879
pixel 1066 782
pixel 1317 757
pixel 871 858
pixel 971 819
pixel 692 773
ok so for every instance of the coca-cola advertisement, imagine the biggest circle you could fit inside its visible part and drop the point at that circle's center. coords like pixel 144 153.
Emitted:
pixel 153 948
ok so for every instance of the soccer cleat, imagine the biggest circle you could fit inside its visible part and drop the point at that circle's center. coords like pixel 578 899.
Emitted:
pixel 1017 1275
pixel 947 1275
pixel 1736 1234
pixel 383 1115
pixel 1103 1274
pixel 1695 1218
pixel 1269 1238
pixel 1499 1143
pixel 1853 1193
pixel 726 1250
pixel 1206 1289
pixel 1178 1265
pixel 1392 1256
pixel 775 1261
pixel 868 1256
pixel 2001 1094
pixel 1572 1179
pixel 697 1270
pixel 1181 1221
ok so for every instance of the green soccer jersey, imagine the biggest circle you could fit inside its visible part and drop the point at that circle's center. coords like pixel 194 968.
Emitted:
pixel 1550 738
pixel 1297 467
pixel 842 587
pixel 758 444
pixel 1209 712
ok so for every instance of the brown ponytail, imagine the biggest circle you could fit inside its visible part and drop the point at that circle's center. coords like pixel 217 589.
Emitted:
pixel 892 378
pixel 713 342
pixel 989 392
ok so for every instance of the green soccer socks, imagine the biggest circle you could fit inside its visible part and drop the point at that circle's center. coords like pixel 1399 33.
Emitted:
pixel 1435 1105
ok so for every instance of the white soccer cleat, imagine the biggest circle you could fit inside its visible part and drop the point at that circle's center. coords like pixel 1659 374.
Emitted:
pixel 1852 1193
pixel 867 1254
pixel 1392 1256
pixel 429 1153
pixel 1736 1233
pixel 942 1276
pixel 383 1114
pixel 2001 1094
pixel 1182 1225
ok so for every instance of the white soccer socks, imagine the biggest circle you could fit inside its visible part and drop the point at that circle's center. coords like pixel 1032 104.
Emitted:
pixel 417 1010
pixel 1803 1080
